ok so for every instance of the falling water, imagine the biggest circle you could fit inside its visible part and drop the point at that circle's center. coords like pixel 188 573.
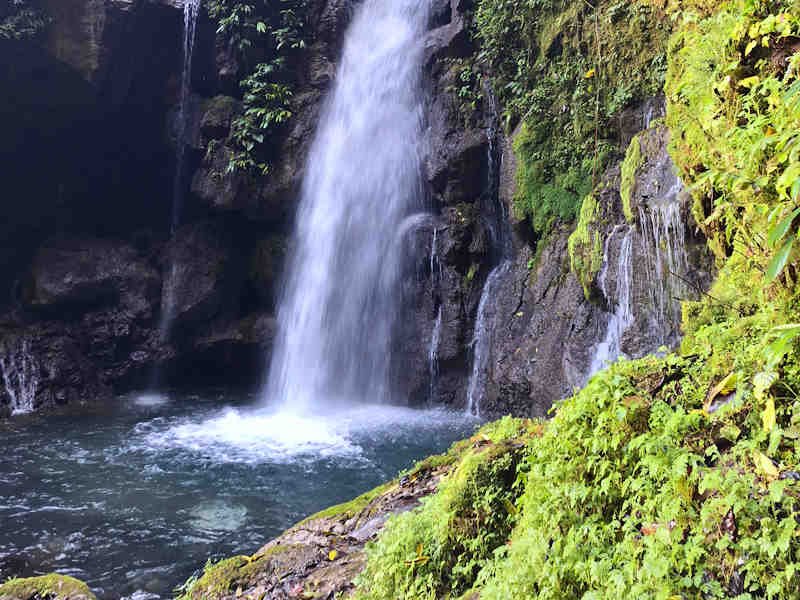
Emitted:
pixel 191 10
pixel 482 338
pixel 610 349
pixel 340 301
pixel 433 354
pixel 20 377
pixel 664 247
pixel 497 224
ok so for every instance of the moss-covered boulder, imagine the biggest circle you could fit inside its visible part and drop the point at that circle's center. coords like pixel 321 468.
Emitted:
pixel 46 587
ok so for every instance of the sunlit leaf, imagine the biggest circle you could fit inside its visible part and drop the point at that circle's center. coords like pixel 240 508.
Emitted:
pixel 779 261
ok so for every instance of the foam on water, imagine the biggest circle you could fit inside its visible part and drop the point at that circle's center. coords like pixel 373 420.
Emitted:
pixel 257 436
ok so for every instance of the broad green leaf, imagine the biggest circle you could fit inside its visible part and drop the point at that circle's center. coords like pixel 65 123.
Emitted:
pixel 777 233
pixel 779 261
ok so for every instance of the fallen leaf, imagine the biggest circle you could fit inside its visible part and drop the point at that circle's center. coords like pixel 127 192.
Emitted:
pixel 768 415
pixel 766 465
pixel 724 387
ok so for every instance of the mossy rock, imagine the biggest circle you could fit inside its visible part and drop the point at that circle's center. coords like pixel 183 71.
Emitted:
pixel 46 587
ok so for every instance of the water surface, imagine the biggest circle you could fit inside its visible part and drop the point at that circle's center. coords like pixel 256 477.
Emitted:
pixel 134 499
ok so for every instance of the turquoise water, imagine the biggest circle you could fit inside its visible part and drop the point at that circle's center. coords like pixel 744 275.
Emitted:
pixel 135 498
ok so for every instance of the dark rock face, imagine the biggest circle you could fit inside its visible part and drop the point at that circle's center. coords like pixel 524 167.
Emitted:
pixel 200 270
pixel 547 332
pixel 87 313
pixel 78 275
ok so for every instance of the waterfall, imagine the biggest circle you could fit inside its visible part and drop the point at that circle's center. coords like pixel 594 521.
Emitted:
pixel 20 377
pixel 496 222
pixel 664 249
pixel 610 349
pixel 191 10
pixel 433 354
pixel 482 338
pixel 363 179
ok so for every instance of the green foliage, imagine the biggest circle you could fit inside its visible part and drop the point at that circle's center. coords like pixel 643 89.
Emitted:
pixel 734 108
pixel 467 87
pixel 268 35
pixel 21 19
pixel 266 106
pixel 566 69
pixel 586 245
pixel 633 161
pixel 544 197
pixel 440 547
pixel 671 477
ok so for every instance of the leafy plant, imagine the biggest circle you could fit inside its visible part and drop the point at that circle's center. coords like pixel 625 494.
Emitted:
pixel 267 35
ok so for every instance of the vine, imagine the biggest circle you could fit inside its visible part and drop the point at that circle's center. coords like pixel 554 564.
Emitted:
pixel 267 37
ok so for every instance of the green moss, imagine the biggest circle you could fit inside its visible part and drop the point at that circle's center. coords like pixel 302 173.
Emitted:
pixel 586 245
pixel 632 163
pixel 226 576
pixel 566 70
pixel 47 587
pixel 440 547
pixel 352 508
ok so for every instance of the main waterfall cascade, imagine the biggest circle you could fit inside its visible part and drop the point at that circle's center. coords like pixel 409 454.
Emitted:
pixel 363 179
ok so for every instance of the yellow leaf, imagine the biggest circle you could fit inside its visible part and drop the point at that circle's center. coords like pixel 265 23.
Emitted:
pixel 724 387
pixel 768 416
pixel 765 464
pixel 419 550
pixel 589 74
pixel 332 555
pixel 750 47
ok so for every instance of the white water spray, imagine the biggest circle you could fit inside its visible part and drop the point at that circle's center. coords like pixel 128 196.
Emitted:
pixel 340 302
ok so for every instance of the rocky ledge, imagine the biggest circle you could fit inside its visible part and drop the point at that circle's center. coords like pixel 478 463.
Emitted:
pixel 322 556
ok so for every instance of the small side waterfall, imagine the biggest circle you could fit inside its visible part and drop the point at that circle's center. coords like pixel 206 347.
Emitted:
pixel 482 338
pixel 20 377
pixel 363 180
pixel 191 11
pixel 657 281
pixel 664 248
pixel 497 224
pixel 433 354
pixel 610 349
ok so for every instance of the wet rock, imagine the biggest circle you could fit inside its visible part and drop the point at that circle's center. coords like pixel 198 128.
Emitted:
pixel 200 272
pixel 78 274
